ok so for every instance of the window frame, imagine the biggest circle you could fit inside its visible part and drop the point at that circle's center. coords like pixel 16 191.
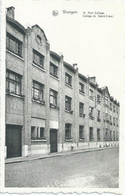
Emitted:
pixel 16 82
pixel 14 45
pixel 54 96
pixel 53 70
pixel 39 91
pixel 68 127
pixel 68 103
pixel 68 79
pixel 81 108
pixel 81 88
pixel 38 59
pixel 81 132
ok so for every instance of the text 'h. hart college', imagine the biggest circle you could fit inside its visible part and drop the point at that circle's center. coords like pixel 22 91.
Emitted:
pixel 50 106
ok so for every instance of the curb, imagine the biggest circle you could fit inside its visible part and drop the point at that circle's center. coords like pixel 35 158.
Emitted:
pixel 58 154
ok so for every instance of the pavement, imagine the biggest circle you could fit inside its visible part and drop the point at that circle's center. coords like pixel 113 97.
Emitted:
pixel 50 155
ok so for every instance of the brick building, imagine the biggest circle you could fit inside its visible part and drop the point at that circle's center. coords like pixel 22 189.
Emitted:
pixel 50 106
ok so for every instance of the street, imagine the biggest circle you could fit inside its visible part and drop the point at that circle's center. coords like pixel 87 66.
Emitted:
pixel 95 169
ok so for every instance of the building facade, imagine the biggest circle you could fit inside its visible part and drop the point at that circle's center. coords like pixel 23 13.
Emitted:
pixel 50 106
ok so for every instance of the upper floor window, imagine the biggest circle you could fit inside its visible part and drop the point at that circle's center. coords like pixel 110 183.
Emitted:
pixel 90 111
pixel 13 83
pixel 38 58
pixel 91 135
pixel 113 108
pixel 91 94
pixel 98 99
pixel 53 98
pixel 81 109
pixel 98 115
pixel 14 45
pixel 38 91
pixel 98 134
pixel 68 103
pixel 68 79
pixel 81 87
pixel 53 70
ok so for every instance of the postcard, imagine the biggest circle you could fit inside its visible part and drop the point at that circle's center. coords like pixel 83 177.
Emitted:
pixel 62 96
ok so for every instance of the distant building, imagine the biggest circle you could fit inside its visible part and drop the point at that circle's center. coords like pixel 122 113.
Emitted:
pixel 50 106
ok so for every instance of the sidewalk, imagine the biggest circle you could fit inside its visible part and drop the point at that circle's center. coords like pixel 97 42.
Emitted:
pixel 57 154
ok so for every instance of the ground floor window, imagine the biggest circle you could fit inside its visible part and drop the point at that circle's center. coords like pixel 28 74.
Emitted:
pixel 91 136
pixel 98 134
pixel 110 135
pixel 68 131
pixel 81 132
pixel 37 133
pixel 113 135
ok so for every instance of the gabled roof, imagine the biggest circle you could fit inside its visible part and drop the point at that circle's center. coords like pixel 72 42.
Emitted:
pixel 36 25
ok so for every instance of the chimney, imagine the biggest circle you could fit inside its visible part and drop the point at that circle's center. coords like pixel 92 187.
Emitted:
pixel 10 12
pixel 75 66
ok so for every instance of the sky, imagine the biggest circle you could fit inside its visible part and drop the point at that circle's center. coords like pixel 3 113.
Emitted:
pixel 96 44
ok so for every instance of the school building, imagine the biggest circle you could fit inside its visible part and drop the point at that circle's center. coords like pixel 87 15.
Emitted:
pixel 50 106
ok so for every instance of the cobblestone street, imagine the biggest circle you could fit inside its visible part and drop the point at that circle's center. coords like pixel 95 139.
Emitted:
pixel 96 169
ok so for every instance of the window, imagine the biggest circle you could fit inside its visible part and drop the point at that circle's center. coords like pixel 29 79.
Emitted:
pixel 67 131
pixel 91 94
pixel 53 98
pixel 38 59
pixel 81 109
pixel 107 117
pixel 68 103
pixel 110 135
pixel 110 120
pixel 114 121
pixel 38 93
pixel 106 100
pixel 14 45
pixel 98 116
pixel 91 134
pixel 68 79
pixel 53 70
pixel 114 108
pixel 111 106
pixel 81 87
pixel 98 134
pixel 81 132
pixel 113 135
pixel 98 99
pixel 91 112
pixel 13 83
pixel 37 133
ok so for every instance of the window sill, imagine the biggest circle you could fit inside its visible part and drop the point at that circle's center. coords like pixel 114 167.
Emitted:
pixel 40 68
pixel 15 55
pixel 52 76
pixel 82 93
pixel 82 115
pixel 91 117
pixel 70 112
pixel 91 98
pixel 39 102
pixel 66 84
pixel 54 106
pixel 68 139
pixel 81 139
pixel 39 140
pixel 14 95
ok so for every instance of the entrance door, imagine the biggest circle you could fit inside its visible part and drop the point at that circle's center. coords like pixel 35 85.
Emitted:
pixel 53 140
pixel 13 141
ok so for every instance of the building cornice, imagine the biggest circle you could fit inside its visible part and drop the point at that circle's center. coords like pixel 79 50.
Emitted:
pixel 16 24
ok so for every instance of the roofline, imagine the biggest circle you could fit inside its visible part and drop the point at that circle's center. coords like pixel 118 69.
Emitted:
pixel 82 76
pixel 17 24
pixel 52 53
pixel 69 66
pixel 40 29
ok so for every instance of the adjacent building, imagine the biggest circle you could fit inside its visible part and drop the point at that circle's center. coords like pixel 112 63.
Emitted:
pixel 50 106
